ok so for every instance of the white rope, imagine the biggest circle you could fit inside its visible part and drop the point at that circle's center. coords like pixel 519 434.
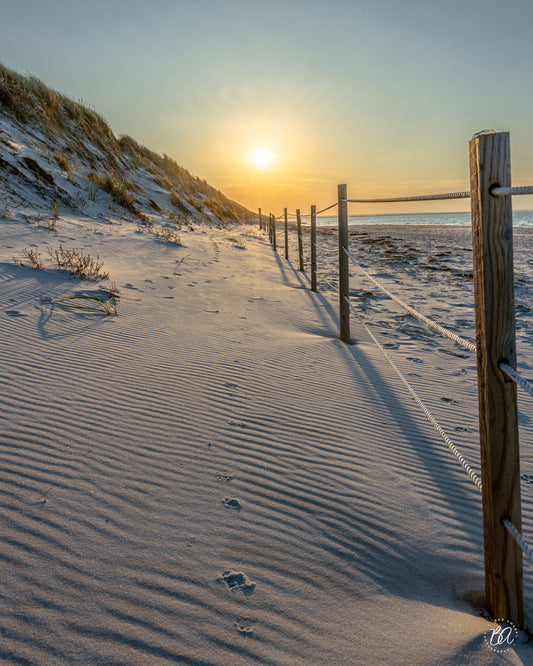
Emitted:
pixel 526 548
pixel 423 197
pixel 334 287
pixel 516 377
pixel 509 191
pixel 473 476
pixel 443 331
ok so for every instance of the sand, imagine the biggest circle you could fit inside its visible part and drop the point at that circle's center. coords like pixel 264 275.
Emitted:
pixel 212 477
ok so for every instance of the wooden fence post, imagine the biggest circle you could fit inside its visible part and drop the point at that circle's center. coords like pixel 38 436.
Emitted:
pixel 270 228
pixel 260 220
pixel 313 248
pixel 344 274
pixel 274 247
pixel 286 235
pixel 300 243
pixel 492 244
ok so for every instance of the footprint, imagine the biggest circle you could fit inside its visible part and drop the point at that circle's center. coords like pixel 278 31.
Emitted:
pixel 415 359
pixel 449 352
pixel 15 313
pixel 223 477
pixel 449 400
pixel 232 503
pixel 244 626
pixel 236 580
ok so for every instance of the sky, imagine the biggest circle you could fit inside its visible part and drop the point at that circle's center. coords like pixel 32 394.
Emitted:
pixel 277 102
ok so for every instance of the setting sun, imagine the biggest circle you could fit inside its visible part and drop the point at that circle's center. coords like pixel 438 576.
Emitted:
pixel 262 157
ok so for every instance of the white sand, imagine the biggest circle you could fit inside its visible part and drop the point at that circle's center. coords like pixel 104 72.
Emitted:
pixel 221 378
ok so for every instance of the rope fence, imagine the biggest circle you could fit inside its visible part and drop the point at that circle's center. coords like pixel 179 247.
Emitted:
pixel 327 208
pixel 468 469
pixel 499 482
pixel 525 547
pixel 418 315
pixel 511 191
pixel 515 376
pixel 422 197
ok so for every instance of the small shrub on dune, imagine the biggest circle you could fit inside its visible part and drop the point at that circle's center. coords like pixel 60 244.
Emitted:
pixel 176 218
pixel 167 235
pixel 63 161
pixel 178 203
pixel 252 232
pixel 32 257
pixel 240 244
pixel 76 263
pixel 118 188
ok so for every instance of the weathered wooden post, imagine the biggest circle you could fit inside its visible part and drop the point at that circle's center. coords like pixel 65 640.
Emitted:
pixel 344 275
pixel 274 233
pixel 492 244
pixel 300 242
pixel 260 220
pixel 313 248
pixel 286 235
pixel 270 228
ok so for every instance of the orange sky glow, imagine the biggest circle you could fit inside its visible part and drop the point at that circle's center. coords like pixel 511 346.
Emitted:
pixel 382 96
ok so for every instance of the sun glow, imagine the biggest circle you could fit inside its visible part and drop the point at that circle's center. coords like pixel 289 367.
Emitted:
pixel 262 158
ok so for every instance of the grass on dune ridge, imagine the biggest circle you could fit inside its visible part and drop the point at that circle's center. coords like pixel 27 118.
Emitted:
pixel 33 104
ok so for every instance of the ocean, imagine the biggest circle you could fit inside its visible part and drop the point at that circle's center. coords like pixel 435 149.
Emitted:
pixel 521 218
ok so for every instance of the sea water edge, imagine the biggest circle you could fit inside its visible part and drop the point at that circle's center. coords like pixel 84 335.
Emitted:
pixel 520 218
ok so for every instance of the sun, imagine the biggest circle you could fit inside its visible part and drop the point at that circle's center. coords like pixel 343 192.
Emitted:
pixel 262 158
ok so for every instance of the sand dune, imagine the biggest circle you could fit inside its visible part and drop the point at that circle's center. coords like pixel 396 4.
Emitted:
pixel 212 477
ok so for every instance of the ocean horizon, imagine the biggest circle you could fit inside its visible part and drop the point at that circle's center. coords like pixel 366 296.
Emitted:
pixel 521 218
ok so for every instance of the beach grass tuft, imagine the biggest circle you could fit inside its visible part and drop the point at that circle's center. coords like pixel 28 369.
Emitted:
pixel 77 263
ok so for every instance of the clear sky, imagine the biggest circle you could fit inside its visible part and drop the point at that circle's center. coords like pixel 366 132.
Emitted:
pixel 380 94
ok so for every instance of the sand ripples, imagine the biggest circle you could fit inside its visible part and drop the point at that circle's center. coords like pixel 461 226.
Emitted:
pixel 123 438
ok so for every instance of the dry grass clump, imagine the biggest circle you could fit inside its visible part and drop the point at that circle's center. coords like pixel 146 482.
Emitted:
pixel 104 301
pixel 50 225
pixel 33 256
pixel 251 231
pixel 167 235
pixel 178 203
pixel 76 263
pixel 176 218
pixel 118 187
pixel 63 161
pixel 164 234
pixel 240 244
